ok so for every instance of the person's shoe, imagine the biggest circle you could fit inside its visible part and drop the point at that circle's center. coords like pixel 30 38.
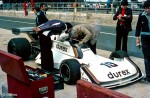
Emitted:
pixel 145 80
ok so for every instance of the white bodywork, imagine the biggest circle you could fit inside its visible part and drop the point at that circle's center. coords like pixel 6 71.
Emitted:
pixel 95 68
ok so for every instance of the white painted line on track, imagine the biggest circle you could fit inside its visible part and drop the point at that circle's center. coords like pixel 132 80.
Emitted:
pixel 115 34
pixel 34 23
pixel 16 21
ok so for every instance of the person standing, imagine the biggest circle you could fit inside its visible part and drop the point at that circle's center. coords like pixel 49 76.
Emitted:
pixel 16 6
pixel 40 19
pixel 109 2
pixel 43 8
pixel 32 5
pixel 143 30
pixel 123 27
pixel 10 5
pixel 25 8
pixel 55 27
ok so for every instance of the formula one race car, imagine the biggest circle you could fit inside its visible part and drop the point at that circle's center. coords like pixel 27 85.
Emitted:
pixel 79 62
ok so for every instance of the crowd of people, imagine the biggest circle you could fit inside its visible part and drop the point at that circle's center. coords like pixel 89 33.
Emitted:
pixel 88 33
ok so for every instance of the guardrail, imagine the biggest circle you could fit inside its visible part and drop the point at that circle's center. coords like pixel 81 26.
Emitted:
pixel 87 7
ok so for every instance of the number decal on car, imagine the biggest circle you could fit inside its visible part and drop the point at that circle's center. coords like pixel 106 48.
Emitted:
pixel 109 64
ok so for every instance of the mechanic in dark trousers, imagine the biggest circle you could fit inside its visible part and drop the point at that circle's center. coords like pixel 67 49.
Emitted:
pixel 124 17
pixel 54 27
pixel 143 30
pixel 40 19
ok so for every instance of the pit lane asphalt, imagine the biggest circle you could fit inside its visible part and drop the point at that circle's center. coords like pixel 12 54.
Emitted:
pixel 135 90
pixel 106 40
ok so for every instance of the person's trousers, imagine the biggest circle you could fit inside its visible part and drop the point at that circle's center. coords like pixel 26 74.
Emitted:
pixel 47 62
pixel 92 47
pixel 145 40
pixel 25 12
pixel 121 39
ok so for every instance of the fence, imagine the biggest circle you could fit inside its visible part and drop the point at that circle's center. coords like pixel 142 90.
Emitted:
pixel 85 7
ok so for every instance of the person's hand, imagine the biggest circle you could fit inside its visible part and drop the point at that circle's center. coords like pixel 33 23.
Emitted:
pixel 80 43
pixel 36 29
pixel 120 17
pixel 137 41
pixel 138 44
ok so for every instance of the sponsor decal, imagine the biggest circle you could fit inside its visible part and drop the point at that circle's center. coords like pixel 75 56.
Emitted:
pixel 109 64
pixel 58 46
pixel 118 74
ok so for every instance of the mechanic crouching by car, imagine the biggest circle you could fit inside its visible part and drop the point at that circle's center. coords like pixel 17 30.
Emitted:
pixel 52 27
pixel 85 34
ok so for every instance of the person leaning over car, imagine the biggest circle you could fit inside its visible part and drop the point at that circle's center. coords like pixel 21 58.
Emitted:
pixel 143 30
pixel 85 34
pixel 45 30
pixel 124 19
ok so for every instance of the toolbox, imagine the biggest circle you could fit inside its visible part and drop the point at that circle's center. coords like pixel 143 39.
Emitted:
pixel 58 80
pixel 26 82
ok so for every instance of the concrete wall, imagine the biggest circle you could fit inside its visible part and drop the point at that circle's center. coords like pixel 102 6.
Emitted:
pixel 99 18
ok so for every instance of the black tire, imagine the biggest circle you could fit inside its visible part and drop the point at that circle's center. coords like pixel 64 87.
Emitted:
pixel 70 71
pixel 118 54
pixel 20 47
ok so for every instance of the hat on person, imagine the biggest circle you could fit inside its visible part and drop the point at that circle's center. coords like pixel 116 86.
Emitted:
pixel 124 2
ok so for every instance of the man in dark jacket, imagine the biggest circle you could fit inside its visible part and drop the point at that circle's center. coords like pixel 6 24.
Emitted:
pixel 124 17
pixel 43 8
pixel 40 19
pixel 54 27
pixel 143 30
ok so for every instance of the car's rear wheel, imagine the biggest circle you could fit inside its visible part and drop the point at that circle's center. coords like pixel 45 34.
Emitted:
pixel 70 71
pixel 20 47
pixel 118 54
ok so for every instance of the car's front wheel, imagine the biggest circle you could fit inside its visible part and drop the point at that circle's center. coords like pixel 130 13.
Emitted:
pixel 70 71
pixel 20 47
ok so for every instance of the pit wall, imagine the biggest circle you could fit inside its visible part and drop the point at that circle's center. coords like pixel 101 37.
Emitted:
pixel 78 17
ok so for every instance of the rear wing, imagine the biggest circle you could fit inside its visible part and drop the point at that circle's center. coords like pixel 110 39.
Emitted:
pixel 28 30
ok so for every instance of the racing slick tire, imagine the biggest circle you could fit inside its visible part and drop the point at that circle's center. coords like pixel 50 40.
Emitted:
pixel 70 71
pixel 118 54
pixel 20 47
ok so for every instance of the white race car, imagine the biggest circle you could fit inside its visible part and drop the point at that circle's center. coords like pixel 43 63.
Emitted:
pixel 79 62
